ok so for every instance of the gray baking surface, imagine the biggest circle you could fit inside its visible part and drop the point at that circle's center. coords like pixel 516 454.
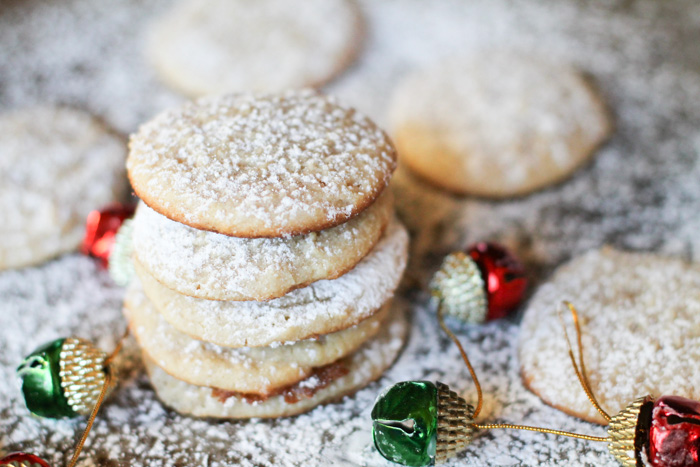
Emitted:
pixel 641 192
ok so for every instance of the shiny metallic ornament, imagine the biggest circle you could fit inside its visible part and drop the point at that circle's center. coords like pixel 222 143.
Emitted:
pixel 419 423
pixel 121 267
pixel 455 428
pixel 82 374
pixel 63 378
pixel 482 284
pixel 21 459
pixel 101 228
pixel 624 432
pixel 460 289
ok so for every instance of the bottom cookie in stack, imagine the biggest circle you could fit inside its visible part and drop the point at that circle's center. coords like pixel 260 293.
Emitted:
pixel 325 384
pixel 233 359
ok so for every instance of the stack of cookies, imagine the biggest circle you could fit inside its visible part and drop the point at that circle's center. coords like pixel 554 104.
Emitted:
pixel 266 253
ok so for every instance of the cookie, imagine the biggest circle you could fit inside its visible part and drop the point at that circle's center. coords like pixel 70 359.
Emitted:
pixel 260 165
pixel 324 307
pixel 497 124
pixel 219 46
pixel 250 370
pixel 329 384
pixel 640 320
pixel 56 165
pixel 218 267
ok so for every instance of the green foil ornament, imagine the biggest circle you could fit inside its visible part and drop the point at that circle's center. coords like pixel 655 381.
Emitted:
pixel 63 378
pixel 418 423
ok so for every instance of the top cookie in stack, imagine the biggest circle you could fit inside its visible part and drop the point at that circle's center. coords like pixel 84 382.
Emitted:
pixel 264 221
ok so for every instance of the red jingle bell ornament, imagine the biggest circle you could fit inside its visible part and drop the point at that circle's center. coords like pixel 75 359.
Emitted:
pixel 21 459
pixel 674 432
pixel 101 229
pixel 482 284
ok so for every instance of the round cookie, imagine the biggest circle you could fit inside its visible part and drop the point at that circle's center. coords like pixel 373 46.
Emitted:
pixel 362 367
pixel 204 47
pixel 260 166
pixel 251 370
pixel 218 267
pixel 56 165
pixel 640 321
pixel 323 307
pixel 497 124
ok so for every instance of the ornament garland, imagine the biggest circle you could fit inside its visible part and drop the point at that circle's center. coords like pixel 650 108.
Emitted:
pixel 418 423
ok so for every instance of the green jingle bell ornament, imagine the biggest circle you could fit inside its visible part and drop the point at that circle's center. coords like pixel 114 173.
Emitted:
pixel 63 378
pixel 67 378
pixel 419 422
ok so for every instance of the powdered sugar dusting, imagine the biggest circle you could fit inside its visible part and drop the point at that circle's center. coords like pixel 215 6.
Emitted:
pixel 250 370
pixel 496 123
pixel 364 366
pixel 641 193
pixel 260 165
pixel 322 307
pixel 215 266
pixel 274 44
pixel 640 318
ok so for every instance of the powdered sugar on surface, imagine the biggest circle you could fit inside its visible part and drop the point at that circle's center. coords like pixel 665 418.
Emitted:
pixel 641 192
pixel 260 165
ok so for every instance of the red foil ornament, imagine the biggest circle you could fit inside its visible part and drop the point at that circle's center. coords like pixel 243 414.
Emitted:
pixel 101 228
pixel 21 459
pixel 674 433
pixel 504 278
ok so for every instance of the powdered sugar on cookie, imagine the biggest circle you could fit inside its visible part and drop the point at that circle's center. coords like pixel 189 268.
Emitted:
pixel 260 166
pixel 204 47
pixel 215 266
pixel 640 318
pixel 56 165
pixel 251 370
pixel 323 307
pixel 497 124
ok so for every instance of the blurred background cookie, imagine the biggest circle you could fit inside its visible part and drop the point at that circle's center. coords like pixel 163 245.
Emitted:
pixel 640 320
pixel 56 165
pixel 496 124
pixel 219 46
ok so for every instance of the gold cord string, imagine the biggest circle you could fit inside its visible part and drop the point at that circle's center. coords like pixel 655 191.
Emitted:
pixel 581 375
pixel 540 430
pixel 106 366
pixel 580 368
pixel 91 420
pixel 480 399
